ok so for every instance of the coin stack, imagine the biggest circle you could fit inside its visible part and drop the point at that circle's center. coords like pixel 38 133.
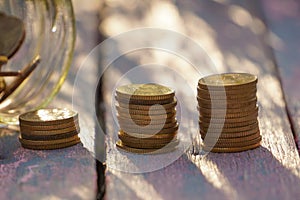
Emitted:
pixel 147 117
pixel 228 110
pixel 49 129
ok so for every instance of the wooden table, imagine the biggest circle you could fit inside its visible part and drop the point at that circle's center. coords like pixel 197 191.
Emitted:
pixel 239 36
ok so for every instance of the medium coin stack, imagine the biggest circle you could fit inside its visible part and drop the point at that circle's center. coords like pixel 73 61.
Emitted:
pixel 147 117
pixel 49 129
pixel 228 110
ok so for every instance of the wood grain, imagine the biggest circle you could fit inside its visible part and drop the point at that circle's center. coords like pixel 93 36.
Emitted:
pixel 233 35
pixel 284 39
pixel 68 173
pixel 54 174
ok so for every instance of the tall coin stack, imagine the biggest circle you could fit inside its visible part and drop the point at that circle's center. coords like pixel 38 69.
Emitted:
pixel 147 118
pixel 49 129
pixel 228 110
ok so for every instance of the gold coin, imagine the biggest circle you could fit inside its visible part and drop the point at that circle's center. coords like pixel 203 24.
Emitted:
pixel 49 132
pixel 48 142
pixel 144 98
pixel 151 127
pixel 227 125
pixel 237 93
pixel 156 136
pixel 12 34
pixel 123 120
pixel 231 149
pixel 145 117
pixel 234 138
pixel 236 90
pixel 150 131
pixel 29 136
pixel 145 112
pixel 230 107
pixel 222 111
pixel 52 146
pixel 147 134
pixel 229 97
pixel 225 104
pixel 167 106
pixel 232 144
pixel 3 59
pixel 226 115
pixel 222 129
pixel 221 134
pixel 144 102
pixel 228 80
pixel 228 120
pixel 224 101
pixel 149 91
pixel 130 139
pixel 2 82
pixel 149 145
pixel 48 117
pixel 48 127
pixel 125 148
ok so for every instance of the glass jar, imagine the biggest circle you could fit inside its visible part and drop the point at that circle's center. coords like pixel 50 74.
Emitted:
pixel 50 33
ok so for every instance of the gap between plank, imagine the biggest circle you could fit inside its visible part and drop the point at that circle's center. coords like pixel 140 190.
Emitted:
pixel 271 54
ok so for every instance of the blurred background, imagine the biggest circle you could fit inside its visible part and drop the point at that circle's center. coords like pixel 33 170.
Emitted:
pixel 233 33
pixel 237 35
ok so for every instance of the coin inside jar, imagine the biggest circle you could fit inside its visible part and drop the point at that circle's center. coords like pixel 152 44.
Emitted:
pixel 12 34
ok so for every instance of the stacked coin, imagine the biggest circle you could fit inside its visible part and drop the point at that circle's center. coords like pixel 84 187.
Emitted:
pixel 228 110
pixel 49 129
pixel 147 118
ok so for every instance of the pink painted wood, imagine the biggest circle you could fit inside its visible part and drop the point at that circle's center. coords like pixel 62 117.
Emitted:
pixel 54 174
pixel 284 38
pixel 68 173
pixel 232 33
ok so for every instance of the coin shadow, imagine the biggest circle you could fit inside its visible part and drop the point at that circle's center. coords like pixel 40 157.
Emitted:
pixel 180 180
pixel 256 174
pixel 8 143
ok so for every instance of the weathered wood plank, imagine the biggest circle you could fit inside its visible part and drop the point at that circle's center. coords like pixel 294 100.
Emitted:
pixel 284 41
pixel 68 173
pixel 55 174
pixel 232 35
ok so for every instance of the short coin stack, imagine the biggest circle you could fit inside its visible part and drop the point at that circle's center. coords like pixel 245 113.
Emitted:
pixel 228 110
pixel 49 129
pixel 147 118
